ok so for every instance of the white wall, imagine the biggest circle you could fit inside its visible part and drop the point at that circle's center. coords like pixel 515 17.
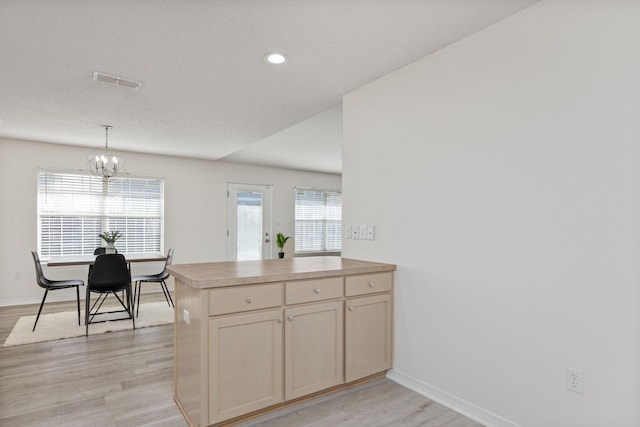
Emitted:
pixel 195 207
pixel 503 175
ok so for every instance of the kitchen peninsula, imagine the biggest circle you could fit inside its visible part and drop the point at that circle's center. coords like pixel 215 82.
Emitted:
pixel 253 335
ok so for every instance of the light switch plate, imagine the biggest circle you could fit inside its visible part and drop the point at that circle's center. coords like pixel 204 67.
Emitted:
pixel 349 232
pixel 363 232
pixel 371 232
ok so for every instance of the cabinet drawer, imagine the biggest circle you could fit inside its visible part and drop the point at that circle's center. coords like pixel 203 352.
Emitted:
pixel 313 290
pixel 244 298
pixel 368 284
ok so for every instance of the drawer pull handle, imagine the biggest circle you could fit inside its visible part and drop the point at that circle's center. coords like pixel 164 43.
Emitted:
pixel 290 318
pixel 350 308
pixel 279 319
pixel 371 284
pixel 316 290
pixel 249 300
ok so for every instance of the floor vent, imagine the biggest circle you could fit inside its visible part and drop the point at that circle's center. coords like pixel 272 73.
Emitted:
pixel 115 80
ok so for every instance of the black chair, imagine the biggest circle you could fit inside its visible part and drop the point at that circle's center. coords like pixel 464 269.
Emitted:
pixel 101 250
pixel 109 275
pixel 52 285
pixel 155 278
pixel 98 251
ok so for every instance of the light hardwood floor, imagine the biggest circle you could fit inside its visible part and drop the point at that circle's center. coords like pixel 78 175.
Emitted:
pixel 126 379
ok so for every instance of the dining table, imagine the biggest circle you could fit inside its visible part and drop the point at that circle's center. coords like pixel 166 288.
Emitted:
pixel 69 260
pixel 90 259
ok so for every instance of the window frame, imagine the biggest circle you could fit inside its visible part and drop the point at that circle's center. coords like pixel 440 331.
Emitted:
pixel 109 210
pixel 325 220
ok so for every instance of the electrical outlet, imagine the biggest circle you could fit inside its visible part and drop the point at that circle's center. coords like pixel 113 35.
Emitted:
pixel 575 380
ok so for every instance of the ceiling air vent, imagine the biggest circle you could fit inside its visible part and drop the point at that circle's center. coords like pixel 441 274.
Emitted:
pixel 115 80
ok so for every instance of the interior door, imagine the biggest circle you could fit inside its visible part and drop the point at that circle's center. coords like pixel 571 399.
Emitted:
pixel 249 221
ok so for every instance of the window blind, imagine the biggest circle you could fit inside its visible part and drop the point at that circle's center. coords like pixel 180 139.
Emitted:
pixel 318 221
pixel 74 208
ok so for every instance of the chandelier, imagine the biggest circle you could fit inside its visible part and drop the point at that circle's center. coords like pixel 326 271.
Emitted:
pixel 106 165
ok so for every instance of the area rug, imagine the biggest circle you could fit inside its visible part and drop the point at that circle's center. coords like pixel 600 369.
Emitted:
pixel 56 326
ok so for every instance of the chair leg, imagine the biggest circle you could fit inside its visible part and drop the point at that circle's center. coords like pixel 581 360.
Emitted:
pixel 131 307
pixel 135 291
pixel 167 294
pixel 164 292
pixel 86 313
pixel 78 299
pixel 46 291
pixel 138 286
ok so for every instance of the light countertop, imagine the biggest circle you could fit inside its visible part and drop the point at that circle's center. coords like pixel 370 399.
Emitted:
pixel 229 273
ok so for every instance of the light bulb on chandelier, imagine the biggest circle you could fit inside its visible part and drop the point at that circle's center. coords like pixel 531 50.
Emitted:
pixel 106 165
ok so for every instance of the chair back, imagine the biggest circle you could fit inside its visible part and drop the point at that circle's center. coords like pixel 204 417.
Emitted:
pixel 43 282
pixel 110 272
pixel 164 274
pixel 101 250
pixel 169 258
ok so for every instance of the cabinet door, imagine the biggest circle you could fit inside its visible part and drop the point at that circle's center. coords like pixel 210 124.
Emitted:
pixel 313 348
pixel 245 364
pixel 368 346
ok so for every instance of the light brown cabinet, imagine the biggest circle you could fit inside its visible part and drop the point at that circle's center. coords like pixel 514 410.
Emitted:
pixel 313 348
pixel 247 342
pixel 245 364
pixel 244 298
pixel 368 331
pixel 246 359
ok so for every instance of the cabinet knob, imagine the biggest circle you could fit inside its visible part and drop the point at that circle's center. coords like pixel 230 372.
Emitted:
pixel 279 319
pixel 371 284
pixel 316 290
pixel 350 308
pixel 249 300
pixel 290 318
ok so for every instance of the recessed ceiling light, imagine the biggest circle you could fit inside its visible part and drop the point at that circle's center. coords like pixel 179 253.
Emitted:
pixel 275 58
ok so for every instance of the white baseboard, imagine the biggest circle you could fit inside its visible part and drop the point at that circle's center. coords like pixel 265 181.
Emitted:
pixel 455 403
pixel 52 297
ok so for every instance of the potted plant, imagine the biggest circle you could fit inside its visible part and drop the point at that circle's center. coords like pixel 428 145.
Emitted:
pixel 280 241
pixel 110 238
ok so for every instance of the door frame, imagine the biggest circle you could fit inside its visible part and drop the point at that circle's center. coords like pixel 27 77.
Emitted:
pixel 267 223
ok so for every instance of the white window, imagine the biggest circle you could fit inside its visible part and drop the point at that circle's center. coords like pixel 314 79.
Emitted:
pixel 74 208
pixel 318 220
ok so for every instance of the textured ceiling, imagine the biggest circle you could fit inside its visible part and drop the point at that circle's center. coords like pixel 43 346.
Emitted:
pixel 206 91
